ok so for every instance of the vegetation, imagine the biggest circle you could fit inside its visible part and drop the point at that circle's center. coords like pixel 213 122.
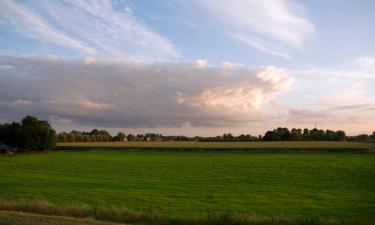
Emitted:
pixel 30 134
pixel 46 213
pixel 184 185
pixel 283 134
pixel 21 218
pixel 362 137
pixel 279 134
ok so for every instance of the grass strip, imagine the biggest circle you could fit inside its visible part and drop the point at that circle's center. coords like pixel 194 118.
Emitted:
pixel 124 215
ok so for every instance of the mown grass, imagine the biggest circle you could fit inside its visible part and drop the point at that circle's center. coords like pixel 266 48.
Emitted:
pixel 276 145
pixel 192 187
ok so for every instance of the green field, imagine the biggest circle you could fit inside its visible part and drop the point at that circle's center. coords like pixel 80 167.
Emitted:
pixel 192 184
pixel 280 145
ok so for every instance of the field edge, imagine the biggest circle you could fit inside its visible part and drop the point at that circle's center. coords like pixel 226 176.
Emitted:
pixel 17 213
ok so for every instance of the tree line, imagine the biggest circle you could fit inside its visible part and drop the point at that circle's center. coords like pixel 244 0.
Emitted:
pixel 278 134
pixel 283 134
pixel 34 134
pixel 30 134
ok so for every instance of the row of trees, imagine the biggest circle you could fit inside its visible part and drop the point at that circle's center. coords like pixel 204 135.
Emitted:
pixel 283 134
pixel 35 134
pixel 231 138
pixel 279 134
pixel 362 137
pixel 94 135
pixel 103 136
pixel 30 134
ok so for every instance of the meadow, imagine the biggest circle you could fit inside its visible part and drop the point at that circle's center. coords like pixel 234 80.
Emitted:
pixel 188 185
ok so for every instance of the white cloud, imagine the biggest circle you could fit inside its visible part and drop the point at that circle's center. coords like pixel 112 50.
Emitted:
pixel 131 94
pixel 30 24
pixel 366 62
pixel 261 45
pixel 201 63
pixel 341 97
pixel 270 26
pixel 93 27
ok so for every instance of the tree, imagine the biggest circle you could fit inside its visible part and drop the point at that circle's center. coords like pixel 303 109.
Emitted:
pixel 62 137
pixel 71 137
pixel 86 138
pixel 120 136
pixel 93 138
pixel 340 135
pixel 130 137
pixel 306 134
pixel 373 135
pixel 269 136
pixel 10 134
pixel 36 134
pixel 99 138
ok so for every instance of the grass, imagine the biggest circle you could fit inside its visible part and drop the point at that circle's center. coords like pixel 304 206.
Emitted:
pixel 275 146
pixel 186 186
pixel 21 218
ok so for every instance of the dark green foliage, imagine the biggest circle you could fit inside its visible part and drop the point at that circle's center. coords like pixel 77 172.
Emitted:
pixel 279 134
pixel 130 137
pixel 31 134
pixel 283 134
pixel 82 136
pixel 363 137
pixel 10 134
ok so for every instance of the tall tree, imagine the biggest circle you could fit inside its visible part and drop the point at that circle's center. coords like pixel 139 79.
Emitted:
pixel 36 134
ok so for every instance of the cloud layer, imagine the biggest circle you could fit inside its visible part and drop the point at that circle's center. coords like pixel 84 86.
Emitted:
pixel 133 94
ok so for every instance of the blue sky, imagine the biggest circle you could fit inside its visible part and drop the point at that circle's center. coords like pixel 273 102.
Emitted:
pixel 272 63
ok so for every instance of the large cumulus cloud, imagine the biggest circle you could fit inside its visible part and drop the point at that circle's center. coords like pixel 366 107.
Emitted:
pixel 133 94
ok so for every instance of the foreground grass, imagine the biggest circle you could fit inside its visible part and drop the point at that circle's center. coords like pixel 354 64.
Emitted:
pixel 275 145
pixel 21 218
pixel 42 215
pixel 176 186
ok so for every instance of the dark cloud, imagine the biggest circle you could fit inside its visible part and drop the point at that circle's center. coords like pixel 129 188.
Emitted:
pixel 133 94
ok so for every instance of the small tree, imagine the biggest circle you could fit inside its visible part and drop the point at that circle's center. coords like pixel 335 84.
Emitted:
pixel 120 136
pixel 340 135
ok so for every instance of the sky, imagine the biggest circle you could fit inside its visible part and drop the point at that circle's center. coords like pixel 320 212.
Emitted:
pixel 189 67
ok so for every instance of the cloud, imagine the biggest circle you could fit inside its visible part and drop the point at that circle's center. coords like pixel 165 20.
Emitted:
pixel 134 94
pixel 32 25
pixel 261 45
pixel 334 98
pixel 366 62
pixel 89 60
pixel 99 28
pixel 269 26
pixel 201 63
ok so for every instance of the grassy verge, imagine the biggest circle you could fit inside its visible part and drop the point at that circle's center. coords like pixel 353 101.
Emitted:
pixel 22 218
pixel 57 215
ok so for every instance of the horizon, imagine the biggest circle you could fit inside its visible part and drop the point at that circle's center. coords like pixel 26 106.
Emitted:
pixel 189 67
